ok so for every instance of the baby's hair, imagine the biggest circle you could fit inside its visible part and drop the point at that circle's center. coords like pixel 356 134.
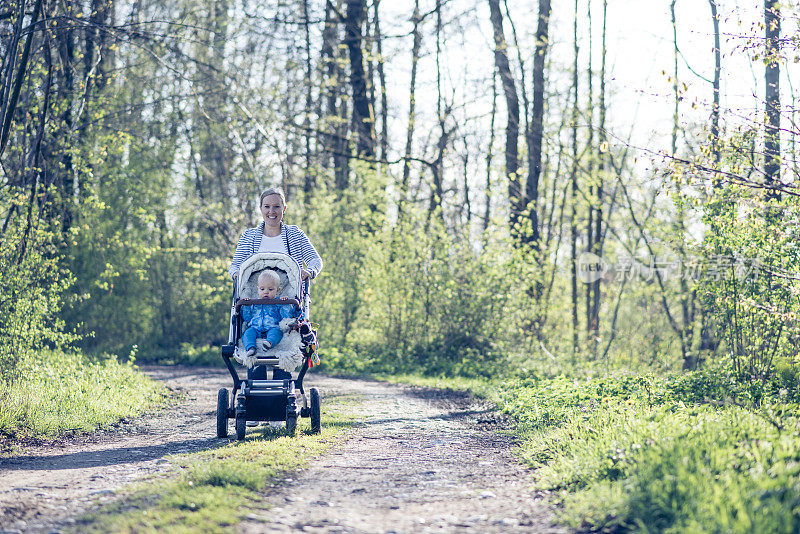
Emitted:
pixel 272 275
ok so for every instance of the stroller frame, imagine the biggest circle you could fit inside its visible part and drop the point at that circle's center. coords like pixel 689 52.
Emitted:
pixel 265 400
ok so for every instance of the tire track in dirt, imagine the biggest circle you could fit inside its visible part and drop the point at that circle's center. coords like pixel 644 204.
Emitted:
pixel 417 461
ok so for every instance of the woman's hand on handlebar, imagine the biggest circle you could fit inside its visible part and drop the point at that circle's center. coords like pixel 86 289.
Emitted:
pixel 304 274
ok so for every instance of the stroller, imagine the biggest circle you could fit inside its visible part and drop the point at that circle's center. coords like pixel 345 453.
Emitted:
pixel 252 399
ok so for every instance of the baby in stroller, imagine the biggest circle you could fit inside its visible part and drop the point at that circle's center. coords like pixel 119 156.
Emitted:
pixel 264 320
pixel 278 321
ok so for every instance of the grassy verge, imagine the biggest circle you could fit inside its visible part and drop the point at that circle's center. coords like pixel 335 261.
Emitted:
pixel 61 392
pixel 698 452
pixel 213 490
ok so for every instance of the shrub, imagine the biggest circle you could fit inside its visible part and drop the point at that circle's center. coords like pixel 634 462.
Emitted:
pixel 57 391
pixel 31 285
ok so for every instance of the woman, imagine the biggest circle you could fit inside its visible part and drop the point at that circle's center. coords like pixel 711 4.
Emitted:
pixel 273 235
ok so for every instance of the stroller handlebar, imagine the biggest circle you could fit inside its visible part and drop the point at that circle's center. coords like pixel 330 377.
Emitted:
pixel 250 302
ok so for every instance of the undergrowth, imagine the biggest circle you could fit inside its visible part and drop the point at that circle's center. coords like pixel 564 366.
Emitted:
pixel 59 391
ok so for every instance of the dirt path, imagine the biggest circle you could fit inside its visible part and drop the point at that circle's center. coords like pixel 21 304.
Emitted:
pixel 418 461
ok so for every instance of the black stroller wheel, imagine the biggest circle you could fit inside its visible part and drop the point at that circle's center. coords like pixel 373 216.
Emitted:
pixel 241 426
pixel 222 413
pixel 291 422
pixel 241 416
pixel 316 422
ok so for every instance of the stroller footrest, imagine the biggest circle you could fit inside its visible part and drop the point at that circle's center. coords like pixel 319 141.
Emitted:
pixel 265 393
pixel 264 384
pixel 258 361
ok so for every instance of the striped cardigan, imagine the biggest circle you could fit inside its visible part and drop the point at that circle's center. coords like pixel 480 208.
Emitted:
pixel 296 241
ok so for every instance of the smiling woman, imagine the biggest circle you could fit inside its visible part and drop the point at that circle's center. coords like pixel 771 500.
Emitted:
pixel 273 235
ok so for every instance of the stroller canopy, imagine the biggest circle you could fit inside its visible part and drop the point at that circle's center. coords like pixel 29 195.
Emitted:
pixel 287 268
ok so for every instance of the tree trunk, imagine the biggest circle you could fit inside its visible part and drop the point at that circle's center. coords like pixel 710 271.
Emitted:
pixel 65 36
pixel 15 77
pixel 601 159
pixel 334 140
pixel 103 18
pixel 383 144
pixel 707 342
pixel 512 107
pixel 574 188
pixel 537 122
pixel 487 209
pixel 715 146
pixel 412 117
pixel 772 155
pixel 467 199
pixel 208 123
pixel 309 180
pixel 591 163
pixel 675 93
pixel 363 119
pixel 437 191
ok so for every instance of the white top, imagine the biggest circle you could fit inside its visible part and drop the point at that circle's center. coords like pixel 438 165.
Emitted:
pixel 273 244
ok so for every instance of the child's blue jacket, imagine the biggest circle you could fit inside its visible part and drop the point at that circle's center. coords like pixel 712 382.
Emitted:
pixel 266 316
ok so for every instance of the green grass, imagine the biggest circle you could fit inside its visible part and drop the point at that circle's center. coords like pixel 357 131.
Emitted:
pixel 660 454
pixel 61 392
pixel 213 490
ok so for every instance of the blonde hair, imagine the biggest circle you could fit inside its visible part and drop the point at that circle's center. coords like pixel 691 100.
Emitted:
pixel 272 275
pixel 272 191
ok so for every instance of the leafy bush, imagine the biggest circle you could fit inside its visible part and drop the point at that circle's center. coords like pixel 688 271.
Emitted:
pixel 753 292
pixel 138 282
pixel 405 297
pixel 58 391
pixel 31 285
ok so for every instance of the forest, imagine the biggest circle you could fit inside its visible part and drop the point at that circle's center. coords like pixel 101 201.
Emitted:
pixel 498 188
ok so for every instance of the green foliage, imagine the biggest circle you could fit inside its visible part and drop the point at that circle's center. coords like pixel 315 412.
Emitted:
pixel 31 284
pixel 58 391
pixel 678 468
pixel 140 281
pixel 341 226
pixel 753 292
pixel 438 306
pixel 406 296
pixel 541 403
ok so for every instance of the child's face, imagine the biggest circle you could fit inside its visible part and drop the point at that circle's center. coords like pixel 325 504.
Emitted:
pixel 267 289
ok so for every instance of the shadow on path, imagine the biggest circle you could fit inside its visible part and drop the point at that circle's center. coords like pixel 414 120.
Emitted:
pixel 107 457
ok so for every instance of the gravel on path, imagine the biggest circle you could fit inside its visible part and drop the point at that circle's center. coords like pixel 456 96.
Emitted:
pixel 44 488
